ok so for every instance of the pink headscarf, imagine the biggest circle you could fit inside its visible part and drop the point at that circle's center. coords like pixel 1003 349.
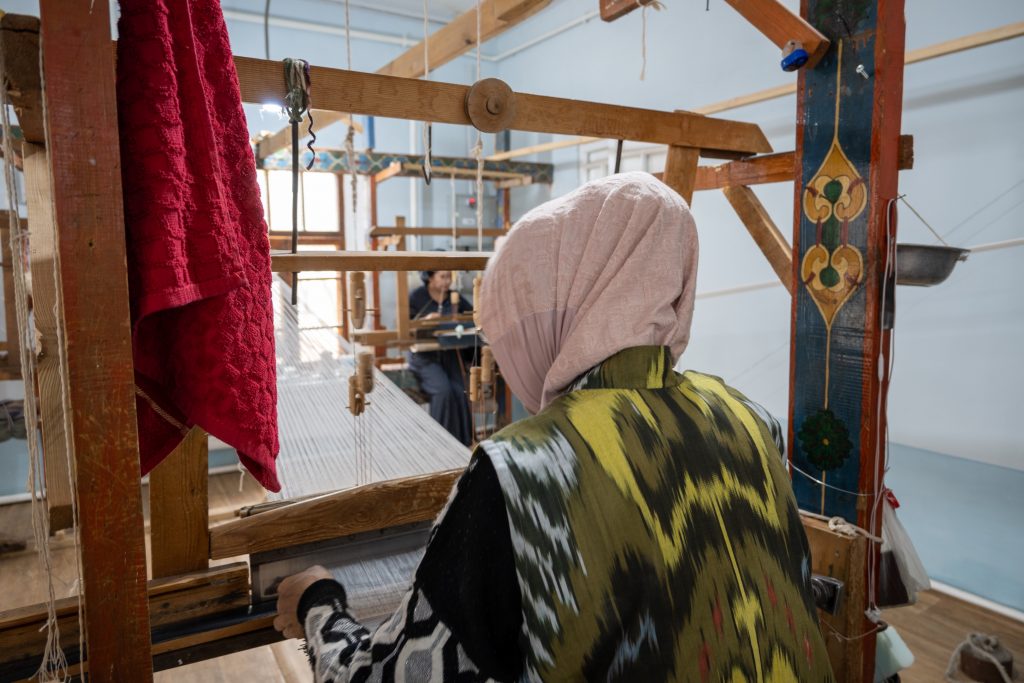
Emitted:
pixel 609 266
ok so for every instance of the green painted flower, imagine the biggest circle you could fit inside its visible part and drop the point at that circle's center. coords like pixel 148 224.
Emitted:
pixel 826 440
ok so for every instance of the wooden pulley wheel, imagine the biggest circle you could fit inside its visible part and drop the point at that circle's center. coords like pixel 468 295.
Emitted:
pixel 491 105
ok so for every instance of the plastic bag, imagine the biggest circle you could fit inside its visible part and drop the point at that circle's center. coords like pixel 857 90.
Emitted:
pixel 901 574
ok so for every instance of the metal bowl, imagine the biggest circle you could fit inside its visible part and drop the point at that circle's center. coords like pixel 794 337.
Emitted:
pixel 924 265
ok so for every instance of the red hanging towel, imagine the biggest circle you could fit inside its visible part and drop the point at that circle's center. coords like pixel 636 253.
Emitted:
pixel 198 252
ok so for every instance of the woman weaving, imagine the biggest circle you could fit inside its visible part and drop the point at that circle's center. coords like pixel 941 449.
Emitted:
pixel 640 527
pixel 440 373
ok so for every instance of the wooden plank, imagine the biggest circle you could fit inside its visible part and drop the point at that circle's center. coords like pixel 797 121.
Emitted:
pixel 10 312
pixel 780 25
pixel 19 40
pixel 616 9
pixel 968 42
pixel 364 508
pixel 375 337
pixel 175 600
pixel 405 98
pixel 681 170
pixel 766 234
pixel 843 558
pixel 282 139
pixel 393 169
pixel 179 508
pixel 459 36
pixel 283 240
pixel 48 313
pixel 385 231
pixel 346 261
pixel 80 110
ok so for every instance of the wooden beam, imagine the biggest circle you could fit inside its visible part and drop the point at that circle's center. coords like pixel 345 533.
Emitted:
pixel 459 36
pixel 283 240
pixel 385 231
pixel 949 47
pixel 375 337
pixel 616 9
pixel 681 170
pixel 410 168
pixel 842 558
pixel 19 40
pixel 282 139
pixel 48 314
pixel 374 95
pixel 80 111
pixel 346 261
pixel 766 234
pixel 393 169
pixel 179 508
pixel 364 508
pixel 772 168
pixel 780 25
pixel 171 601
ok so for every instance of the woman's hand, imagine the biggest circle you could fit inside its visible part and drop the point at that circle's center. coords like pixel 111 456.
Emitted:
pixel 432 316
pixel 288 595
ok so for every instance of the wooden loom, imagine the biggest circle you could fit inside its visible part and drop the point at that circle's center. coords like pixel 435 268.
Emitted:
pixel 129 626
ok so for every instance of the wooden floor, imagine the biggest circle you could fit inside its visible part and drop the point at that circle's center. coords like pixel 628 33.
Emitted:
pixel 932 628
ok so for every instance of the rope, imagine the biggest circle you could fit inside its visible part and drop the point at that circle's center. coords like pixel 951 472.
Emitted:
pixel 350 136
pixel 981 646
pixel 53 664
pixel 903 198
pixel 478 148
pixel 653 4
pixel 428 132
pixel 266 30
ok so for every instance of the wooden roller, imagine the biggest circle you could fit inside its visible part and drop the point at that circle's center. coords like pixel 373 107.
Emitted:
pixel 364 371
pixel 486 365
pixel 455 303
pixel 357 298
pixel 474 385
pixel 356 398
pixel 477 282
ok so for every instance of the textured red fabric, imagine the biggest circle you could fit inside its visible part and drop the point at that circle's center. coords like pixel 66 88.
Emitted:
pixel 198 252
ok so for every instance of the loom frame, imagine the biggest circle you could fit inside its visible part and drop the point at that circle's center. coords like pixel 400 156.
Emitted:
pixel 86 198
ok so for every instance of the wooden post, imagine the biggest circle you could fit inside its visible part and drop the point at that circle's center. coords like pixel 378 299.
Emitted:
pixel 342 281
pixel 48 312
pixel 179 508
pixel 766 234
pixel 402 290
pixel 78 70
pixel 12 366
pixel 681 170
pixel 848 129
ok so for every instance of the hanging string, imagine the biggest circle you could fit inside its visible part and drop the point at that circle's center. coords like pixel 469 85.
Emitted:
pixel 478 148
pixel 350 136
pixel 53 664
pixel 903 198
pixel 266 30
pixel 454 215
pixel 653 4
pixel 428 132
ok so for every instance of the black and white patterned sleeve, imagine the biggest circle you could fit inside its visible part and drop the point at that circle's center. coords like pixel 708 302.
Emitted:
pixel 460 620
pixel 333 636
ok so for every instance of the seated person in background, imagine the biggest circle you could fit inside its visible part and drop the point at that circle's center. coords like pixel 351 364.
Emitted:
pixel 440 373
pixel 640 527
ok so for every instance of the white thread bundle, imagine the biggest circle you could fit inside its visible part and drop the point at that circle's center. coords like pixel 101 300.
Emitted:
pixel 318 445
pixel 653 4
pixel 53 664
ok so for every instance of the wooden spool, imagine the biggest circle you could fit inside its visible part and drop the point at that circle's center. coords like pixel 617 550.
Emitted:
pixel 364 372
pixel 357 299
pixel 477 282
pixel 474 385
pixel 486 365
pixel 356 398
pixel 455 303
pixel 978 667
pixel 491 105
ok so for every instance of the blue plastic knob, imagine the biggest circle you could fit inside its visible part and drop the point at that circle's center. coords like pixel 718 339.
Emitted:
pixel 794 60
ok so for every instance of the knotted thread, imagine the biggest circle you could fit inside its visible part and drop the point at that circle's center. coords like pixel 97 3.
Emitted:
pixel 297 98
pixel 982 646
